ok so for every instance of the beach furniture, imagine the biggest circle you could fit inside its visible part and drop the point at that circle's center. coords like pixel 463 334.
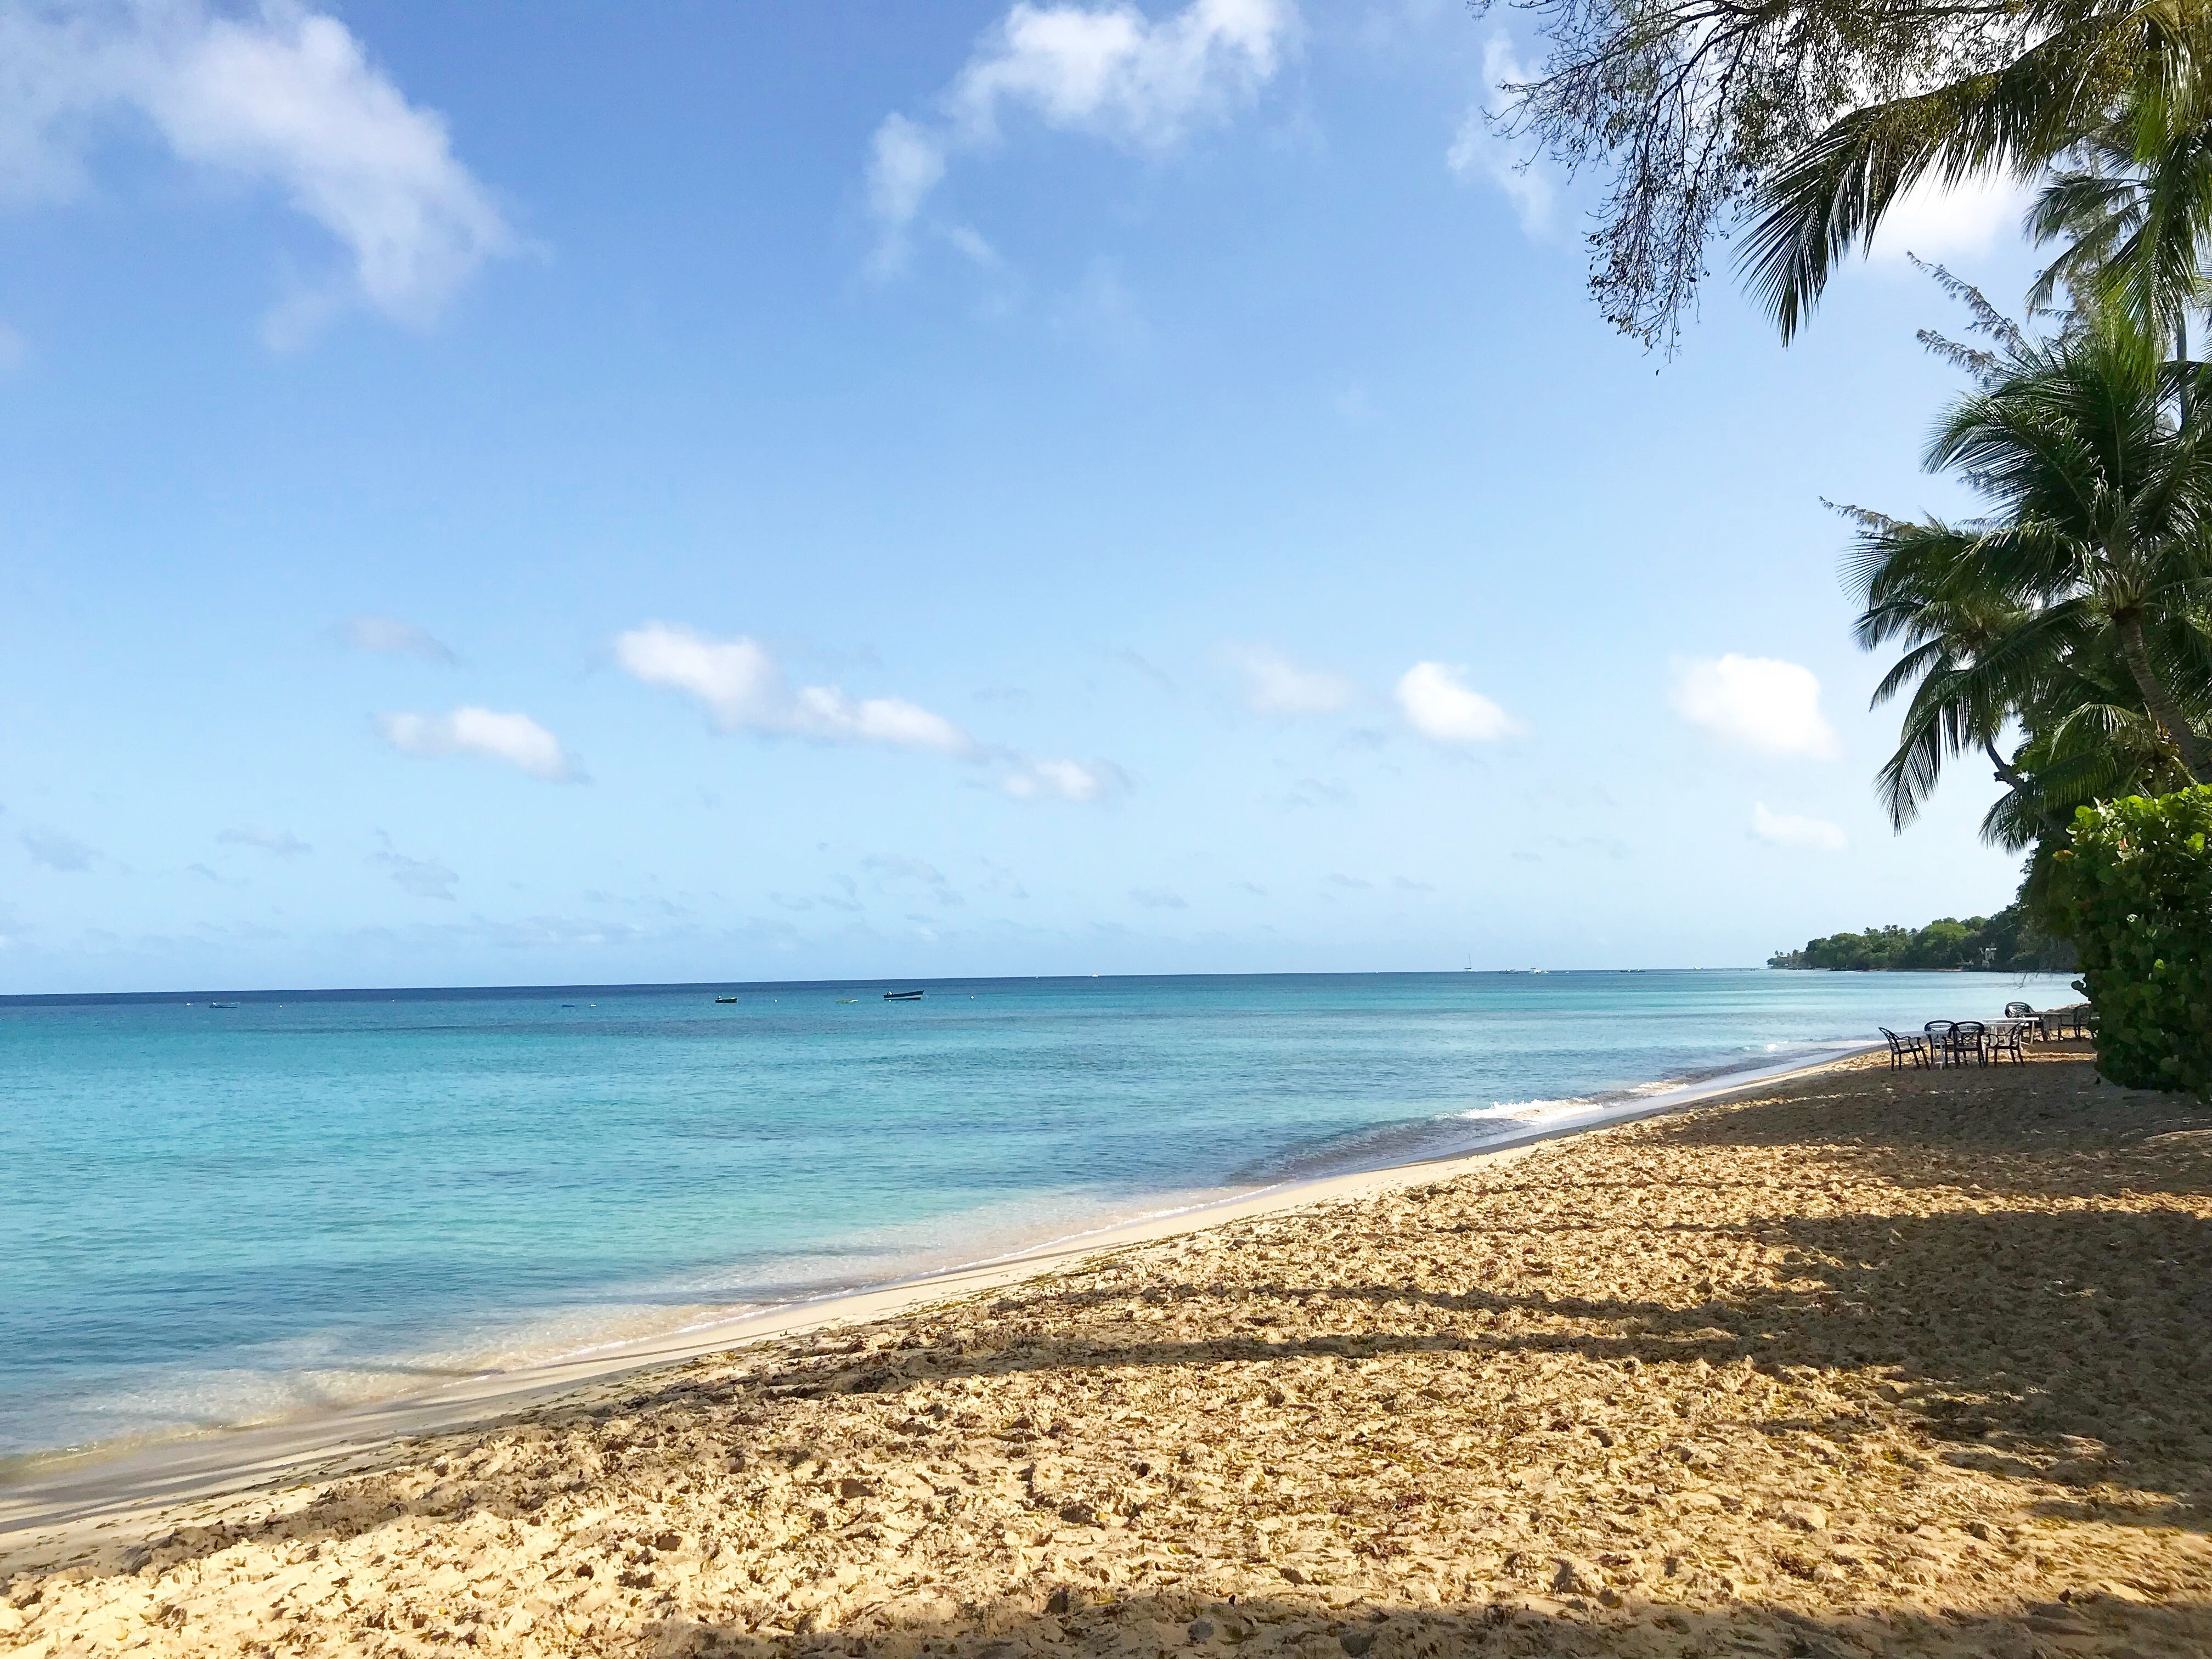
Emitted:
pixel 1902 1049
pixel 1971 1036
pixel 1938 1033
pixel 2077 1019
pixel 2004 1039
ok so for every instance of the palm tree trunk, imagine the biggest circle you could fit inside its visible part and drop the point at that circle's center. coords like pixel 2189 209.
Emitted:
pixel 2156 698
pixel 2006 773
pixel 2010 776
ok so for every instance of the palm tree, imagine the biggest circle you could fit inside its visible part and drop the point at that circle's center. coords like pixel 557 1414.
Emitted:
pixel 2075 610
pixel 2104 509
pixel 2132 209
pixel 2131 81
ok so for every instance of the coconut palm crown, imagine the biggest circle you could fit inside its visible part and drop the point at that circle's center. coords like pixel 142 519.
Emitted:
pixel 2075 610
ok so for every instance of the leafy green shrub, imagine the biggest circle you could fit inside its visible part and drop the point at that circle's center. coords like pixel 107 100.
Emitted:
pixel 2134 891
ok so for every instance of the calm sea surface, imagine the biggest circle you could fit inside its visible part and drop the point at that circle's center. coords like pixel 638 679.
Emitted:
pixel 217 1214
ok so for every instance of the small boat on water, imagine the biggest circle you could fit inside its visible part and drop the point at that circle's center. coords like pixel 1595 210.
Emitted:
pixel 901 996
pixel 847 999
pixel 726 999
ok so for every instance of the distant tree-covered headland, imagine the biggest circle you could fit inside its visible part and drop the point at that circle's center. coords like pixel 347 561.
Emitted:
pixel 2008 941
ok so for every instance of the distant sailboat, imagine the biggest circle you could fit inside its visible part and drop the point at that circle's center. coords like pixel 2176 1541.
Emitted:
pixel 726 999
pixel 901 996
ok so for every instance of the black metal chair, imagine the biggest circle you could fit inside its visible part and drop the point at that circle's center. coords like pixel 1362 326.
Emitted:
pixel 2005 1040
pixel 1904 1048
pixel 1971 1036
pixel 1938 1032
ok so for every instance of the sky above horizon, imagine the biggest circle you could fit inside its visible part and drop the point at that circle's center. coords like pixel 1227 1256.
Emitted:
pixel 564 495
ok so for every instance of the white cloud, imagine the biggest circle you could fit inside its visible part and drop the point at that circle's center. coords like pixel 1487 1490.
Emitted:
pixel 1477 153
pixel 1110 72
pixel 1273 684
pixel 1939 223
pixel 59 852
pixel 744 689
pixel 283 843
pixel 389 637
pixel 1786 830
pixel 424 878
pixel 905 164
pixel 894 867
pixel 1100 312
pixel 1440 705
pixel 516 739
pixel 1759 703
pixel 282 95
pixel 1159 898
pixel 1066 779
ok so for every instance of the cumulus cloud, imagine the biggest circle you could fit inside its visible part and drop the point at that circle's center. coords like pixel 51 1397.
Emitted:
pixel 424 878
pixel 1787 830
pixel 281 95
pixel 895 866
pixel 1937 221
pixel 1479 154
pixel 1066 779
pixel 59 852
pixel 744 689
pixel 1273 684
pixel 517 739
pixel 1109 72
pixel 1439 703
pixel 389 637
pixel 1158 898
pixel 1760 704
pixel 280 843
pixel 1315 792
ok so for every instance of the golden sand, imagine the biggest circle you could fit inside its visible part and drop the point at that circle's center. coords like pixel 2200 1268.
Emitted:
pixel 1872 1364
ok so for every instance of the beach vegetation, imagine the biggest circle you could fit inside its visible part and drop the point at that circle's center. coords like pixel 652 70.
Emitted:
pixel 2065 635
pixel 1804 123
pixel 2013 940
pixel 2133 888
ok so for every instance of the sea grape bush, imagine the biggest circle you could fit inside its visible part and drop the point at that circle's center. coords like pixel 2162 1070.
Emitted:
pixel 2133 888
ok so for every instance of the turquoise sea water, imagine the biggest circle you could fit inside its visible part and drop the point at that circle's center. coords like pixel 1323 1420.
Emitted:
pixel 214 1214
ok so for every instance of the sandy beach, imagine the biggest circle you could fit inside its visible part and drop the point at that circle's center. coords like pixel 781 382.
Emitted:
pixel 1866 1363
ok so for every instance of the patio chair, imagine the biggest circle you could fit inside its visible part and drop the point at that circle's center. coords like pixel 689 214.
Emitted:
pixel 1939 1033
pixel 2005 1040
pixel 2020 1010
pixel 1902 1048
pixel 1971 1036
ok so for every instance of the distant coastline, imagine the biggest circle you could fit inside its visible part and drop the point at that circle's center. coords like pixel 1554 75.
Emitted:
pixel 2009 942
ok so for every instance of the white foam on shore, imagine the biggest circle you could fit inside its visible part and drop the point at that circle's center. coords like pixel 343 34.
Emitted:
pixel 51 1489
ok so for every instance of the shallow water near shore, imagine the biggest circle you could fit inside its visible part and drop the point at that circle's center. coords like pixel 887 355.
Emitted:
pixel 220 1212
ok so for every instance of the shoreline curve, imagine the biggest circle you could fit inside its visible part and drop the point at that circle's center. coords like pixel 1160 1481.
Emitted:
pixel 97 1488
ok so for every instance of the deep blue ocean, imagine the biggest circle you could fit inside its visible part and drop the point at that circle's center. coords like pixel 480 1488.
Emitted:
pixel 223 1211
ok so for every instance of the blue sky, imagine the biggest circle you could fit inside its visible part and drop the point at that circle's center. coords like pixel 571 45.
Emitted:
pixel 527 494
